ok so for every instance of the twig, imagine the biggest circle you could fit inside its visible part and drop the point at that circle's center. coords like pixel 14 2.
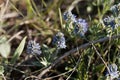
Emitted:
pixel 3 77
pixel 72 70
pixel 73 51
pixel 73 4
pixel 62 74
pixel 10 15
pixel 3 10
pixel 79 60
pixel 100 57
pixel 17 34
pixel 28 78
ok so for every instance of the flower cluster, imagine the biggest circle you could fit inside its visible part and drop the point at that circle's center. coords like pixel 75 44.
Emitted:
pixel 113 71
pixel 59 40
pixel 109 21
pixel 115 9
pixel 69 17
pixel 33 48
pixel 113 20
pixel 80 26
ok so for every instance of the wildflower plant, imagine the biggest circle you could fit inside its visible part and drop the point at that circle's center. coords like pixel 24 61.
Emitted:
pixel 33 48
pixel 110 21
pixel 75 26
pixel 86 54
pixel 115 9
pixel 59 40
pixel 81 27
pixel 69 17
pixel 114 73
pixel 46 59
pixel 114 19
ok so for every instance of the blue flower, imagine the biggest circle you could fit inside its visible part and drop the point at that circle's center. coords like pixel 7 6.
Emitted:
pixel 59 40
pixel 33 48
pixel 115 10
pixel 68 16
pixel 113 71
pixel 81 27
pixel 109 21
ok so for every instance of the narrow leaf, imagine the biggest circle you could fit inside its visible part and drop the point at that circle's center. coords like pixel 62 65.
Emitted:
pixel 1 69
pixel 5 49
pixel 18 51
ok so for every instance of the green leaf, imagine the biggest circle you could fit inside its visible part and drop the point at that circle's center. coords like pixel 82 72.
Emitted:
pixel 18 50
pixel 3 39
pixel 1 69
pixel 5 49
pixel 4 46
pixel 99 68
pixel 45 62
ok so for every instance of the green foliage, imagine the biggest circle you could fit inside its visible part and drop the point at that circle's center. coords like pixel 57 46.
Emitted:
pixel 5 47
pixel 1 70
pixel 18 51
pixel 47 59
pixel 40 20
